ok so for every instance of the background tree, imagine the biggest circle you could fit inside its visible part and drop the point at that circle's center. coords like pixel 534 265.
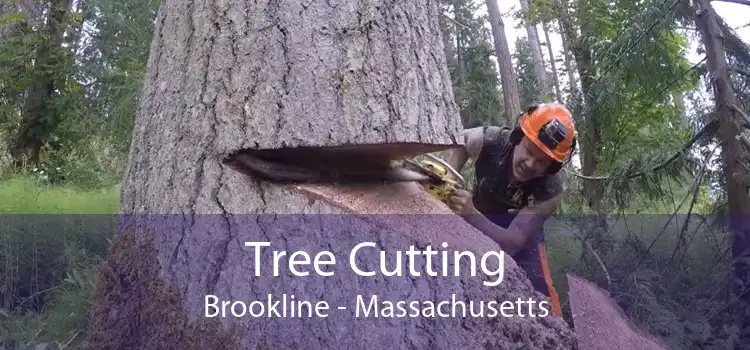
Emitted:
pixel 502 53
pixel 475 82
pixel 530 91
pixel 535 47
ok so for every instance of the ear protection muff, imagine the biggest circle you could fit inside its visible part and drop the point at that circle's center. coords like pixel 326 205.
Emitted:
pixel 516 135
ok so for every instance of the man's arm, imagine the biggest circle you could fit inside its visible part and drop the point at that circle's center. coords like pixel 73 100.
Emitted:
pixel 530 219
pixel 527 222
pixel 473 139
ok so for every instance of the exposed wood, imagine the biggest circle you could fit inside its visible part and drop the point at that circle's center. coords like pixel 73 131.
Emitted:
pixel 601 324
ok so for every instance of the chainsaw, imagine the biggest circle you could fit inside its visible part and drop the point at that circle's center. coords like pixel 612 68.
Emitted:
pixel 337 165
pixel 440 185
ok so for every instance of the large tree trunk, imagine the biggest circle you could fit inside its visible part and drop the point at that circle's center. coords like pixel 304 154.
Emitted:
pixel 737 176
pixel 590 134
pixel 511 97
pixel 536 54
pixel 291 75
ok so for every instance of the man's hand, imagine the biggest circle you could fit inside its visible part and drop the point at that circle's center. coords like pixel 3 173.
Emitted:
pixel 461 202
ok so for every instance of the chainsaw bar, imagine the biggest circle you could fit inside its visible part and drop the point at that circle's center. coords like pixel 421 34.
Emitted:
pixel 409 163
pixel 323 169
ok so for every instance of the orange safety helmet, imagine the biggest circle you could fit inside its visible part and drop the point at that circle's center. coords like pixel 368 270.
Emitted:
pixel 550 127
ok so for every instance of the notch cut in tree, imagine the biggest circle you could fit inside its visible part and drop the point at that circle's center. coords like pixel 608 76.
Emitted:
pixel 224 77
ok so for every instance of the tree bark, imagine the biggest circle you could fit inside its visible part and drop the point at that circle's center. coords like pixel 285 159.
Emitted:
pixel 294 79
pixel 553 64
pixel 590 134
pixel 291 74
pixel 733 156
pixel 569 68
pixel 566 35
pixel 536 54
pixel 508 80
pixel 679 103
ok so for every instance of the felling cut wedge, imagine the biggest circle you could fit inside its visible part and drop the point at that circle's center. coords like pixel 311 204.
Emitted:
pixel 321 165
pixel 345 166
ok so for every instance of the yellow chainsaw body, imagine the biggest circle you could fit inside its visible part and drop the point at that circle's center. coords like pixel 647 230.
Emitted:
pixel 444 190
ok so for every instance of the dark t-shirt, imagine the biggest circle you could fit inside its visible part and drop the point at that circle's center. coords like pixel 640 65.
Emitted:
pixel 494 195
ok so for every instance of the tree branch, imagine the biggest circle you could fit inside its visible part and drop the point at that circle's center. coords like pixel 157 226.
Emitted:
pixel 741 2
pixel 707 129
pixel 745 119
pixel 740 70
pixel 453 20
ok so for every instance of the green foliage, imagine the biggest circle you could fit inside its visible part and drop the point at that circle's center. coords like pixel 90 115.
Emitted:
pixel 16 73
pixel 90 114
pixel 482 106
pixel 528 87
pixel 117 60
pixel 475 79
pixel 630 122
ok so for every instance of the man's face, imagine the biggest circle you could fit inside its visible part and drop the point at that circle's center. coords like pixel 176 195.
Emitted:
pixel 529 161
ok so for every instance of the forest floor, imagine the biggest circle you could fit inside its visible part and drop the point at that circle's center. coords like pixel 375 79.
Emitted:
pixel 62 260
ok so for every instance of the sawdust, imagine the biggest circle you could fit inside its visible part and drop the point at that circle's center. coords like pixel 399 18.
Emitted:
pixel 135 308
pixel 389 203
pixel 394 198
pixel 601 324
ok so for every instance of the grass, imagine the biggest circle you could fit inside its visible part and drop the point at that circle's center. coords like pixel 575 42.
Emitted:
pixel 48 260
pixel 23 195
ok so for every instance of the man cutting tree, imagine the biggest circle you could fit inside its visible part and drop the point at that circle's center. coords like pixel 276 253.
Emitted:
pixel 517 185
